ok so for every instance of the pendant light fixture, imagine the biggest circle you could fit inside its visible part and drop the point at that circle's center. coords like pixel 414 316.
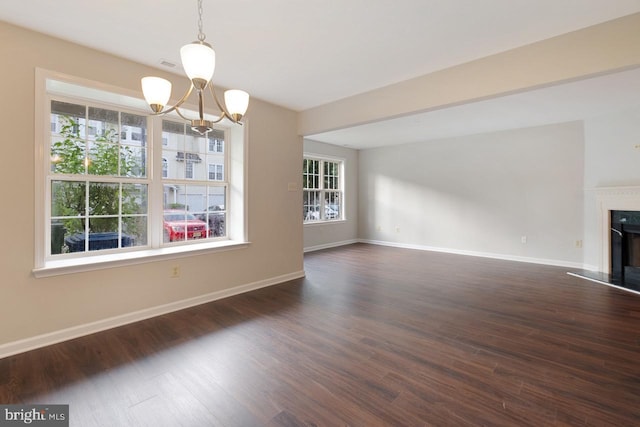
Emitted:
pixel 199 61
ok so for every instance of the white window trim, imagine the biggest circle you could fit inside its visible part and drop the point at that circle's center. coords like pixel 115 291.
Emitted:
pixel 343 162
pixel 51 82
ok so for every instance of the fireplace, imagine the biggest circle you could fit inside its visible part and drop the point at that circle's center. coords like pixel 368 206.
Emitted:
pixel 625 248
pixel 618 241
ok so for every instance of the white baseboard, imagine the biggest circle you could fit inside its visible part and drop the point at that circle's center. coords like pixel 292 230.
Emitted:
pixel 331 245
pixel 43 340
pixel 553 262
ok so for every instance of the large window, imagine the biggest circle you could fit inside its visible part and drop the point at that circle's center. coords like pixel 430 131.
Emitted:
pixel 322 189
pixel 190 199
pixel 114 180
pixel 97 182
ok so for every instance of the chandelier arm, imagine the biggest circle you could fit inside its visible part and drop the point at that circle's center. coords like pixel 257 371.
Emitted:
pixel 177 110
pixel 221 118
pixel 223 110
pixel 179 103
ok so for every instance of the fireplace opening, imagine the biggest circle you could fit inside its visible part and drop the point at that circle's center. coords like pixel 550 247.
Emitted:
pixel 625 248
pixel 634 249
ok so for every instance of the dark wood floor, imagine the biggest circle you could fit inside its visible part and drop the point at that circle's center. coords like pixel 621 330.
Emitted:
pixel 372 336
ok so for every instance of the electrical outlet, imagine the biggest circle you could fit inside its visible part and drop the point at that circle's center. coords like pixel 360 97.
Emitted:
pixel 175 272
pixel 379 228
pixel 523 239
pixel 578 243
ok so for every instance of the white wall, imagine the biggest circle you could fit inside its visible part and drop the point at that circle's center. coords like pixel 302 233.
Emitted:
pixel 321 235
pixel 612 158
pixel 479 194
pixel 30 307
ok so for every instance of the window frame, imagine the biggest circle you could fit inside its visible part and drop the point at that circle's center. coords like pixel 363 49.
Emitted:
pixel 51 84
pixel 88 179
pixel 322 159
pixel 191 179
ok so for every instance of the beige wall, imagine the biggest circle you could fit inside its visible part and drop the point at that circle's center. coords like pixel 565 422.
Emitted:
pixel 30 306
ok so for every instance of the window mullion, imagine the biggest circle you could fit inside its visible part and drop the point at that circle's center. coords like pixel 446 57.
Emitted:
pixel 86 215
pixel 322 188
pixel 156 187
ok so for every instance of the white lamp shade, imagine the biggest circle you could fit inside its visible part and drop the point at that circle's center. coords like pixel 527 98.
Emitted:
pixel 236 101
pixel 156 90
pixel 198 61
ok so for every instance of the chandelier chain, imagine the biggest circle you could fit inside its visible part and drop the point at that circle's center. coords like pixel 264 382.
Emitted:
pixel 201 35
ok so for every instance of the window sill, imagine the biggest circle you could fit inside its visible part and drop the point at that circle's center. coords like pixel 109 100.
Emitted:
pixel 97 262
pixel 325 222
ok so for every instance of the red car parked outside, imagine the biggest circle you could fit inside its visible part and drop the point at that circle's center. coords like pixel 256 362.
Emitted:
pixel 175 222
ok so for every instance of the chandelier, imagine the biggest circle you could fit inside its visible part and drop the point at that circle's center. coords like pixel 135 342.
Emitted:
pixel 199 61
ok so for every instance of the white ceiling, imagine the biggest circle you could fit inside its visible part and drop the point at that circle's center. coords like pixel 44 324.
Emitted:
pixel 305 53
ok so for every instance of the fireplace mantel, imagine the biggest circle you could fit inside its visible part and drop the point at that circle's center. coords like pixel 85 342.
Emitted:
pixel 612 199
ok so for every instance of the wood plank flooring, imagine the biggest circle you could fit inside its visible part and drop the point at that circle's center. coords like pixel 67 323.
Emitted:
pixel 373 336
